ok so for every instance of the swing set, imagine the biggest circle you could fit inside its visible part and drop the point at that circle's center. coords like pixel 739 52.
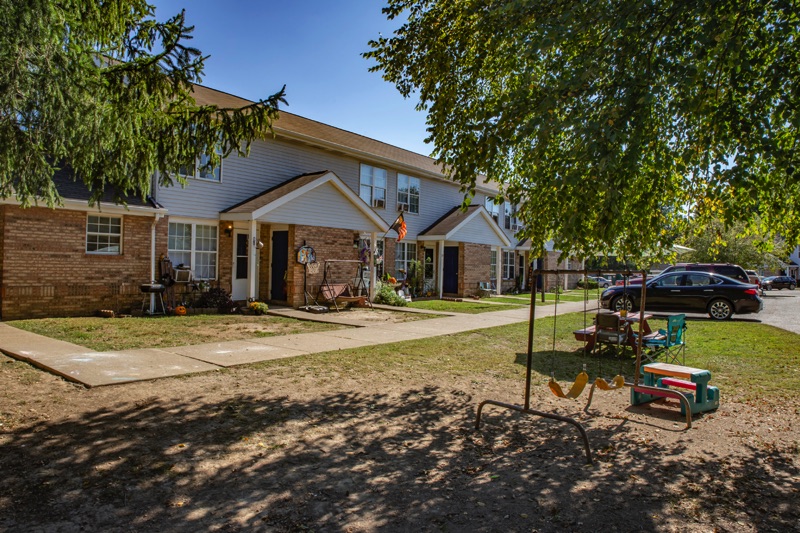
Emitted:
pixel 577 387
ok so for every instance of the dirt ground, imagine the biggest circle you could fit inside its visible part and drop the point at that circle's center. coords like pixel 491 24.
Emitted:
pixel 281 447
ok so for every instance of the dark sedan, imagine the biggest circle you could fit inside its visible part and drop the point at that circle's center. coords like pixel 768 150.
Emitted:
pixel 779 282
pixel 690 292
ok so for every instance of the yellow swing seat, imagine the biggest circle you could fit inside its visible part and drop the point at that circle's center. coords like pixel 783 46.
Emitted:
pixel 574 391
pixel 617 383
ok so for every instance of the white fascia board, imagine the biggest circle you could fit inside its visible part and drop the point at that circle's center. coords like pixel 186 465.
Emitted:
pixel 450 234
pixel 489 220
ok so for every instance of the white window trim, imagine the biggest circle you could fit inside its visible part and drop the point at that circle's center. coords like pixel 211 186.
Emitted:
pixel 197 176
pixel 372 202
pixel 194 223
pixel 492 208
pixel 510 220
pixel 87 233
pixel 403 206
pixel 508 265
pixel 404 244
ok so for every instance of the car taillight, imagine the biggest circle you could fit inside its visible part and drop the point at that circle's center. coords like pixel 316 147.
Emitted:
pixel 751 292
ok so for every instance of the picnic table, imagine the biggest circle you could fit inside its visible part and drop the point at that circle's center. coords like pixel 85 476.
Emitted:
pixel 589 334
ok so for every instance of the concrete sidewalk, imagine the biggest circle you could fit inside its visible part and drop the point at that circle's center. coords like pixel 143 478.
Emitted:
pixel 94 369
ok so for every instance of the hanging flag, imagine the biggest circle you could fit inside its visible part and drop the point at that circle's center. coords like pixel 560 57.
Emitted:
pixel 400 227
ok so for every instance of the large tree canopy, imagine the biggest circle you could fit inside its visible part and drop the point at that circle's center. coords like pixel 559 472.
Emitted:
pixel 720 244
pixel 104 88
pixel 614 124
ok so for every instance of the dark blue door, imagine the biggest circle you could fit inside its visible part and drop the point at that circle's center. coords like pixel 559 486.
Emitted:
pixel 280 263
pixel 450 280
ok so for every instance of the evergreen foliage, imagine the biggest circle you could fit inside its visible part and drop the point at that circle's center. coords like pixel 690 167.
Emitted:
pixel 105 89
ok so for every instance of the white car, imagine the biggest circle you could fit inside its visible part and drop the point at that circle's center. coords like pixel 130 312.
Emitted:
pixel 602 282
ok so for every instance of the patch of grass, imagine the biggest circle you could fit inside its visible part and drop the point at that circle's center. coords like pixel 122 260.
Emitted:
pixel 467 306
pixel 748 361
pixel 104 334
pixel 514 300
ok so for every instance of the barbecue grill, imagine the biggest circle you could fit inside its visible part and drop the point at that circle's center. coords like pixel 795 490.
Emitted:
pixel 153 288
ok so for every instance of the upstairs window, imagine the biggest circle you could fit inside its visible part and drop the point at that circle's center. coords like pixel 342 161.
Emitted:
pixel 510 217
pixel 407 194
pixel 373 186
pixel 104 235
pixel 493 208
pixel 201 172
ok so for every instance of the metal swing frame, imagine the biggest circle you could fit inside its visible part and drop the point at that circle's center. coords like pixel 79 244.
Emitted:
pixel 526 407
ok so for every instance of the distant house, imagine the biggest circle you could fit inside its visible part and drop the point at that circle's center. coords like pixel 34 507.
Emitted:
pixel 241 226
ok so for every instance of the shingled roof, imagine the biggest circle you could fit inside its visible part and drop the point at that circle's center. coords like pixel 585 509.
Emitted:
pixel 299 128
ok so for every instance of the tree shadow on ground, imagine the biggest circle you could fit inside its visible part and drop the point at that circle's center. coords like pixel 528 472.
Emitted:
pixel 353 461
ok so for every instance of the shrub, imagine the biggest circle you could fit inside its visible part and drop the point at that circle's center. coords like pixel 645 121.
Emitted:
pixel 385 295
pixel 218 298
pixel 258 308
pixel 590 283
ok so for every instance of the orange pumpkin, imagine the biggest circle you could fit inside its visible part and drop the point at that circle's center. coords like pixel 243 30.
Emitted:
pixel 180 310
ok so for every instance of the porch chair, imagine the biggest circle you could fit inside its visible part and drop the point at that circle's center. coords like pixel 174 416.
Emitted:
pixel 670 342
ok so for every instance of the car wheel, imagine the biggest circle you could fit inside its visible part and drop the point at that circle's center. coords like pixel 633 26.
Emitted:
pixel 792 287
pixel 622 302
pixel 605 285
pixel 720 309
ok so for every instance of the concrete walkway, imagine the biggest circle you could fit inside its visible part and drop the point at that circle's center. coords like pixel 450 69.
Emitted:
pixel 94 369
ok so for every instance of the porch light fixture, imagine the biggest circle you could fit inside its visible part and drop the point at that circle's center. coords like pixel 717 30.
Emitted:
pixel 229 230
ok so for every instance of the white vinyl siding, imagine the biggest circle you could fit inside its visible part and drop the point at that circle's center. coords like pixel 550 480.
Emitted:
pixel 195 246
pixel 408 189
pixel 372 186
pixel 103 235
pixel 323 207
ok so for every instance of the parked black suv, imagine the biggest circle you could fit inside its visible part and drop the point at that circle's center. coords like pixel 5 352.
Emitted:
pixel 779 282
pixel 724 269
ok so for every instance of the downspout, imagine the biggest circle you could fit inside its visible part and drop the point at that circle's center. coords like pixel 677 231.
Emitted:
pixel 156 218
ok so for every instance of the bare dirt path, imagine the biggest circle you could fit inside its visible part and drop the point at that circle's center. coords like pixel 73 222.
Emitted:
pixel 298 446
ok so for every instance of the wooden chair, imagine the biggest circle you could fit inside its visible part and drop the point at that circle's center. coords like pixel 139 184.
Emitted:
pixel 611 332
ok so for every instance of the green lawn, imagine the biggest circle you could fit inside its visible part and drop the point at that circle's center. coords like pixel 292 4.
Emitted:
pixel 466 306
pixel 103 334
pixel 748 360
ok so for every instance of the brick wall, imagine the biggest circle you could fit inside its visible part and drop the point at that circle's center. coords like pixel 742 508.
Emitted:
pixel 328 243
pixel 46 271
pixel 474 266
pixel 569 278
pixel 224 258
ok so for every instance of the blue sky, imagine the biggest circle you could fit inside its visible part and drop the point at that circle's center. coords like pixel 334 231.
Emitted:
pixel 313 47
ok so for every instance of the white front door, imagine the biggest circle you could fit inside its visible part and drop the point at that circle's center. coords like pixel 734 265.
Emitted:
pixel 239 288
